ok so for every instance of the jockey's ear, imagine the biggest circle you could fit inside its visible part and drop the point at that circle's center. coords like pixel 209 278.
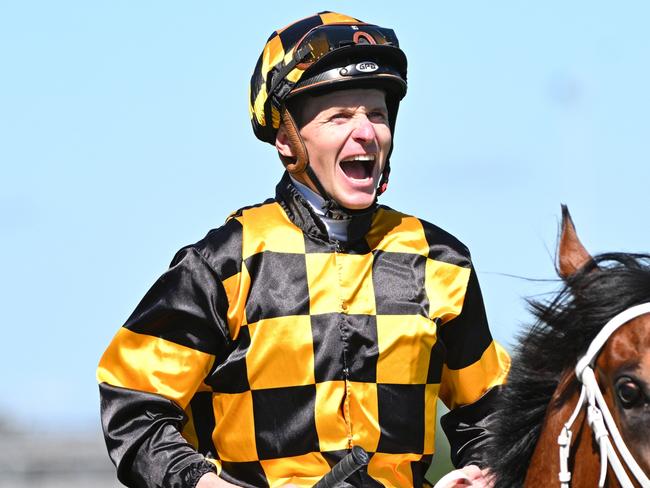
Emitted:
pixel 571 254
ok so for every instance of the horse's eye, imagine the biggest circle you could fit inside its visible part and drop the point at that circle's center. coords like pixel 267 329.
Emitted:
pixel 629 393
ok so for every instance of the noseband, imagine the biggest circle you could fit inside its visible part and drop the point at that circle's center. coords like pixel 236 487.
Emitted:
pixel 599 417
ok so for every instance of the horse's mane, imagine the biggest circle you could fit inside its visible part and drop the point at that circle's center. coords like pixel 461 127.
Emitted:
pixel 565 326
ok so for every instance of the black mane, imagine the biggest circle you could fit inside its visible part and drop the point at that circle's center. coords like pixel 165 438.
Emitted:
pixel 564 328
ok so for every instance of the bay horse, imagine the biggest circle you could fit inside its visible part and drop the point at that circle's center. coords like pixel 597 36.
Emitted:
pixel 600 315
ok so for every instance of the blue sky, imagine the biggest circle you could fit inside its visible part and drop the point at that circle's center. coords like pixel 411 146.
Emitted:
pixel 124 134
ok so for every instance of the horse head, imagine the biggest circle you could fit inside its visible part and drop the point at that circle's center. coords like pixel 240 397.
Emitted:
pixel 544 390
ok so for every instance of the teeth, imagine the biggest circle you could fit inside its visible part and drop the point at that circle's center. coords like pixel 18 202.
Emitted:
pixel 362 157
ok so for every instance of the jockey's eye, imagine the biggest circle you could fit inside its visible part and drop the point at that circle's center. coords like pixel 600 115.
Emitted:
pixel 629 392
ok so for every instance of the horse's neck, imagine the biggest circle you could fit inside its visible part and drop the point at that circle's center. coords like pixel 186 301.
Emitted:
pixel 545 462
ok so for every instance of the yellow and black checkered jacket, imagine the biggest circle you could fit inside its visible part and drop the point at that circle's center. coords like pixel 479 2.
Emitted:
pixel 267 351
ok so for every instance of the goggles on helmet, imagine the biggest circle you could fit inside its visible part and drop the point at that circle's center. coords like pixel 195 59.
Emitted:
pixel 323 39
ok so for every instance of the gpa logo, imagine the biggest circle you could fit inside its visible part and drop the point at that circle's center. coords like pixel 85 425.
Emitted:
pixel 367 67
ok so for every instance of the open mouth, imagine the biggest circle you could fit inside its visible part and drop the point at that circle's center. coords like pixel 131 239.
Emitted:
pixel 359 167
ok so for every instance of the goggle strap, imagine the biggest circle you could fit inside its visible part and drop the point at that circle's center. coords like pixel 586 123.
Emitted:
pixel 281 76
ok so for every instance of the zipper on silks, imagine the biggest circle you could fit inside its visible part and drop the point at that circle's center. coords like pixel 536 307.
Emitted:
pixel 343 309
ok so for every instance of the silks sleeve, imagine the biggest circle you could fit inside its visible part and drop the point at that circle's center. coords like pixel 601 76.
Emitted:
pixel 475 366
pixel 153 367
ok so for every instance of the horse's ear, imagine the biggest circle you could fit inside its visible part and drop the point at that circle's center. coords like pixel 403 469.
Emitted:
pixel 572 255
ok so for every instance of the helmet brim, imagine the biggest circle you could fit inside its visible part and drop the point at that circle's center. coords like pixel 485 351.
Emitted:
pixel 327 72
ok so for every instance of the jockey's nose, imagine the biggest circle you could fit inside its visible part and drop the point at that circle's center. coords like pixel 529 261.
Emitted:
pixel 364 132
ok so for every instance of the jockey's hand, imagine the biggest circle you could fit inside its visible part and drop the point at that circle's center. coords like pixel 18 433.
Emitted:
pixel 211 480
pixel 468 476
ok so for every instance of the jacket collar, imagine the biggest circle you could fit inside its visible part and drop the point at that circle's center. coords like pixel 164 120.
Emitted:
pixel 302 215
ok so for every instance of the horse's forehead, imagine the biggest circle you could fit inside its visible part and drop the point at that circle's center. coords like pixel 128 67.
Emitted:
pixel 629 346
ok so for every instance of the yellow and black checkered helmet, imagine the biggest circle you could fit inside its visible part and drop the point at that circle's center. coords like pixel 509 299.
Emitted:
pixel 317 53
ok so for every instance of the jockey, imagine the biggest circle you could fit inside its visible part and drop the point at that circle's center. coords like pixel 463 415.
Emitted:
pixel 317 320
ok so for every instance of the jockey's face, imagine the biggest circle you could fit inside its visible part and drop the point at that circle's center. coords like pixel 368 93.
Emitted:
pixel 347 136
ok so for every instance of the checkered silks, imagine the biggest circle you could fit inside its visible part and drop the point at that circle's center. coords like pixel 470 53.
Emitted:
pixel 284 351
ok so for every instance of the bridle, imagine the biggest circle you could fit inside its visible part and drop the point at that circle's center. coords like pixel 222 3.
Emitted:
pixel 599 417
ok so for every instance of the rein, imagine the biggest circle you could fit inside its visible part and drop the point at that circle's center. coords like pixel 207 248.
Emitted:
pixel 599 417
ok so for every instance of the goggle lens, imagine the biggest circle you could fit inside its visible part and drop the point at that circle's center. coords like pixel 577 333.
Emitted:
pixel 321 40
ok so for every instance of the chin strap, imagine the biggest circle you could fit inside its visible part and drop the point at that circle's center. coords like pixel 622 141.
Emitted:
pixel 298 166
pixel 383 182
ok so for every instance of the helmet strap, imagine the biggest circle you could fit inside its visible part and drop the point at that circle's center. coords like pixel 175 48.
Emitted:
pixel 383 181
pixel 298 166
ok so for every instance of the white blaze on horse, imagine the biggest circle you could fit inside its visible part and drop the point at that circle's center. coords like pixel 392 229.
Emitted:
pixel 576 410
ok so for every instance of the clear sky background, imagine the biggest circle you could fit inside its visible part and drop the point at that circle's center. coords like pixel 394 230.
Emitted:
pixel 124 135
